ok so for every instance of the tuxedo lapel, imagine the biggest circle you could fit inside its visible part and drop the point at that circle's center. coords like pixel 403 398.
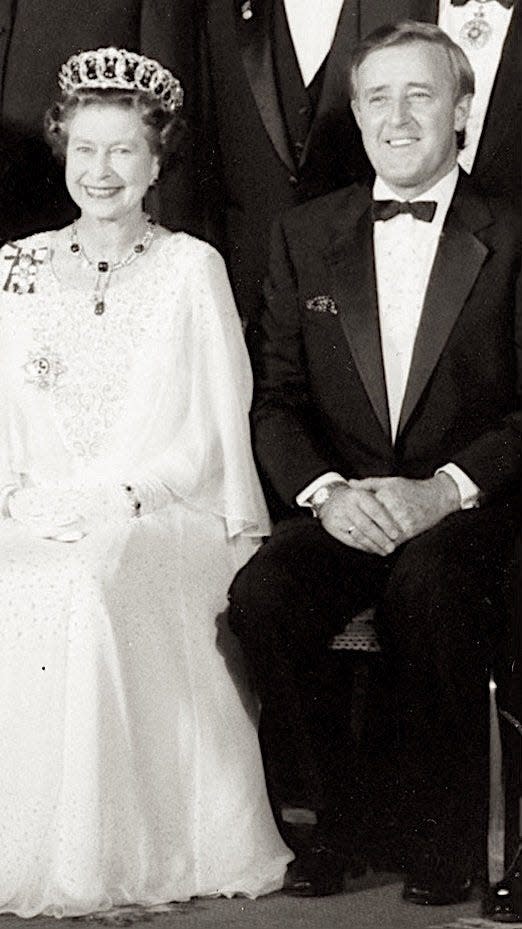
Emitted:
pixel 254 34
pixel 355 293
pixel 457 264
pixel 505 97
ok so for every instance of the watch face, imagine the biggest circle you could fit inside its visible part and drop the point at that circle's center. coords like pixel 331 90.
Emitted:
pixel 321 496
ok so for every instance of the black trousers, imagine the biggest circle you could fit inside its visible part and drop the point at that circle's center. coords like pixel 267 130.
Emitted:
pixel 439 616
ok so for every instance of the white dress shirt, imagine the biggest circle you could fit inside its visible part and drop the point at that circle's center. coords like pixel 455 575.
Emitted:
pixel 484 61
pixel 404 249
pixel 312 25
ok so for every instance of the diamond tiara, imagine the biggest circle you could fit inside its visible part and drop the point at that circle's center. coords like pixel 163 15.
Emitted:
pixel 106 68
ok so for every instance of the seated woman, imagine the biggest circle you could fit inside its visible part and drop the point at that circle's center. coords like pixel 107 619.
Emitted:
pixel 131 770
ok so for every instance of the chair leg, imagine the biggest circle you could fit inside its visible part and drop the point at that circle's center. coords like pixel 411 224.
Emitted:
pixel 503 900
pixel 497 804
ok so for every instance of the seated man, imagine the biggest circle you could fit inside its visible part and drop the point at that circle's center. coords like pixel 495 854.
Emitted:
pixel 388 407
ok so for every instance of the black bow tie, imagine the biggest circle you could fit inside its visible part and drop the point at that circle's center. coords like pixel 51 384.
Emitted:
pixel 507 3
pixel 387 209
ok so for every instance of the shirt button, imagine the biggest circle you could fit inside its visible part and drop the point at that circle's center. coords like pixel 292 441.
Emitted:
pixel 304 110
pixel 293 180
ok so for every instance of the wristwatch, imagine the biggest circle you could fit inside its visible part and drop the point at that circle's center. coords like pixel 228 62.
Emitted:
pixel 322 494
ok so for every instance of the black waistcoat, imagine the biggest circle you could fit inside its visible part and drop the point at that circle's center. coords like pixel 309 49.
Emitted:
pixel 298 103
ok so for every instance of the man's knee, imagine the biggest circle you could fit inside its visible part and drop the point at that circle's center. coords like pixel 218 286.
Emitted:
pixel 455 555
pixel 258 584
pixel 270 579
pixel 442 584
pixel 423 572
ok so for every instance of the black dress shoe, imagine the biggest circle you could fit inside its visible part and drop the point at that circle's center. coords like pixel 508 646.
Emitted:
pixel 436 891
pixel 503 901
pixel 316 872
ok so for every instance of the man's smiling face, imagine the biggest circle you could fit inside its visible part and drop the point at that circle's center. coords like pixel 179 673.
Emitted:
pixel 408 111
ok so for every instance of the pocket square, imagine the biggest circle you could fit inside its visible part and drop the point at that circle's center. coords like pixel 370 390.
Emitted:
pixel 322 304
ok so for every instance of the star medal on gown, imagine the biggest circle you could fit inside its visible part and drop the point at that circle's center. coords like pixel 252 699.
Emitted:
pixel 43 368
pixel 476 32
pixel 105 268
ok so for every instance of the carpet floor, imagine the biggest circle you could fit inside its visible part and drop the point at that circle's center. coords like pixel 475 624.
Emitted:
pixel 370 903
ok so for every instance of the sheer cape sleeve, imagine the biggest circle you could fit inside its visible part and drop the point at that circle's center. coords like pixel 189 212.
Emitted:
pixel 208 462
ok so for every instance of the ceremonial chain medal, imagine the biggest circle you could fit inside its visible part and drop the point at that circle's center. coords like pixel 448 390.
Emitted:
pixel 105 268
pixel 476 32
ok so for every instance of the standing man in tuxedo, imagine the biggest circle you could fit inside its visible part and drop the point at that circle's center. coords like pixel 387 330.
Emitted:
pixel 272 123
pixel 36 37
pixel 389 408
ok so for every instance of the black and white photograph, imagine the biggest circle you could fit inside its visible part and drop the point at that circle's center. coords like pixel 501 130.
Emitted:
pixel 261 464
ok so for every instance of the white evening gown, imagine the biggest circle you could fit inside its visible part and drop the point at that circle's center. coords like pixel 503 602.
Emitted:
pixel 130 768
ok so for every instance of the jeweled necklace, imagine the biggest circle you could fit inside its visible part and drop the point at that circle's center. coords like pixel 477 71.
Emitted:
pixel 105 268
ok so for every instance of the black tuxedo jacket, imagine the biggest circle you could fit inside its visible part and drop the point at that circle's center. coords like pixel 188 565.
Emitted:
pixel 36 37
pixel 321 397
pixel 498 164
pixel 246 170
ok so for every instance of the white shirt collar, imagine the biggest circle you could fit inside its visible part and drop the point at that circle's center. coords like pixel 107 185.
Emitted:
pixel 442 192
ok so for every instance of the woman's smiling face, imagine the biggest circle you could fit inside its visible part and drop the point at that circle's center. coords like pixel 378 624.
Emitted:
pixel 109 165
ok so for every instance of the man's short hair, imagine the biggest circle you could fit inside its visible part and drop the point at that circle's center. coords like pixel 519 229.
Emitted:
pixel 409 32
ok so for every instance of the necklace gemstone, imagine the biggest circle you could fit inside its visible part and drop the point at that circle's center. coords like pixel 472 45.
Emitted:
pixel 105 268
